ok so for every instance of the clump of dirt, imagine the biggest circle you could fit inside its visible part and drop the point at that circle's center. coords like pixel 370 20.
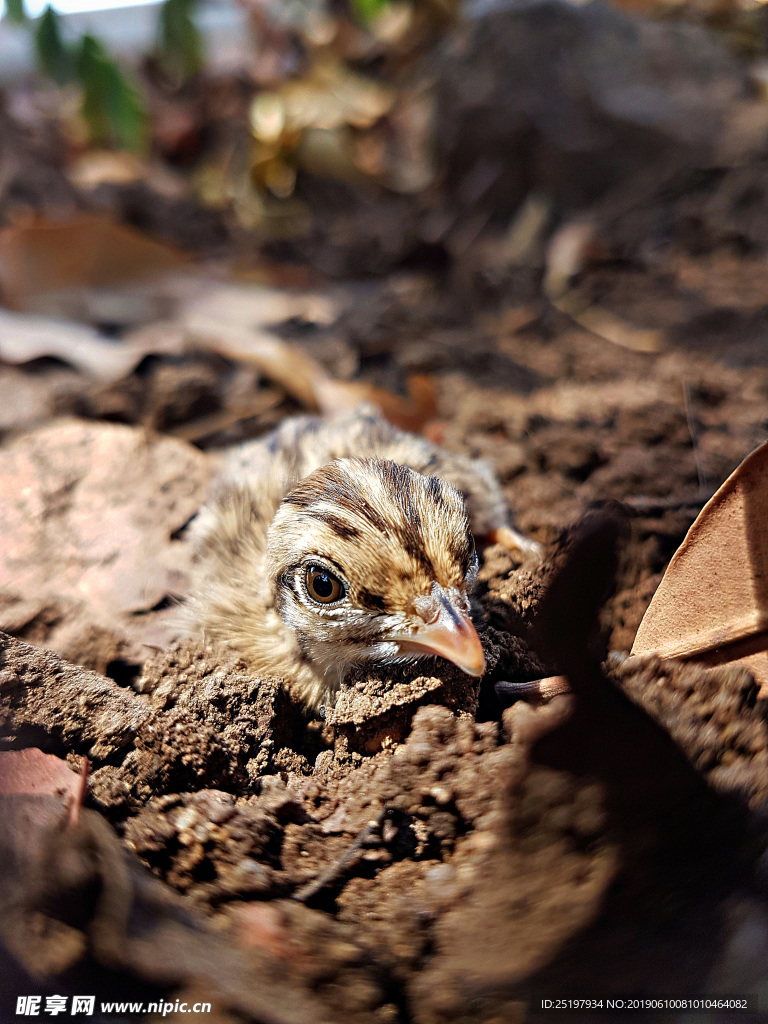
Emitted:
pixel 372 712
pixel 78 905
pixel 454 868
pixel 714 714
pixel 375 709
pixel 62 708
pixel 212 848
pixel 210 725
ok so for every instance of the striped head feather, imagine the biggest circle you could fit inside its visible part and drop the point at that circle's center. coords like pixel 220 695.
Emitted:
pixel 370 560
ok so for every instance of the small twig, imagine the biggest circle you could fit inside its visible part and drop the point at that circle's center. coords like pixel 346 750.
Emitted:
pixel 703 487
pixel 78 799
pixel 261 402
pixel 370 835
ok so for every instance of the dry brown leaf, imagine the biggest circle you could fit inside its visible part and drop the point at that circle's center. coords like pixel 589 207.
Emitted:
pixel 231 320
pixel 295 371
pixel 31 772
pixel 235 321
pixel 411 413
pixel 44 256
pixel 222 307
pixel 87 516
pixel 712 604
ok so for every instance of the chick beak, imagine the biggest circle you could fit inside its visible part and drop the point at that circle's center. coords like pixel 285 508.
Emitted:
pixel 451 636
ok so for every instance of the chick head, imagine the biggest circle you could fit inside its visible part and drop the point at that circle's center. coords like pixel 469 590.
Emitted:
pixel 372 561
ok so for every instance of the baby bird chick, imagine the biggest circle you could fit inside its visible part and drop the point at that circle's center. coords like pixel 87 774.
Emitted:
pixel 333 542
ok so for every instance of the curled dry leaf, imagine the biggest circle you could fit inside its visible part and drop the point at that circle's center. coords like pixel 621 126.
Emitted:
pixel 238 322
pixel 411 413
pixel 712 604
pixel 87 515
pixel 233 320
pixel 24 338
pixel 30 772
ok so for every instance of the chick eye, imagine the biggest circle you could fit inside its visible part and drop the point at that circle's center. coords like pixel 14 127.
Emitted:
pixel 322 585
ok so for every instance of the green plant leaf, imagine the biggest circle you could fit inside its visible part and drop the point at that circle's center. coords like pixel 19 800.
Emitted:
pixel 366 10
pixel 16 12
pixel 54 57
pixel 113 107
pixel 180 48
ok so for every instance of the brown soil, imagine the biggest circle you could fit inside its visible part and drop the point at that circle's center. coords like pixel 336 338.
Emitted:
pixel 422 855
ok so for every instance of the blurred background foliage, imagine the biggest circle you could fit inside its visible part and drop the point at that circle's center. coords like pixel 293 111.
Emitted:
pixel 342 103
pixel 114 105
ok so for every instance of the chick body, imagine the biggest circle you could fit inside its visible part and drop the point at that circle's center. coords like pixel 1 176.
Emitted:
pixel 380 513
